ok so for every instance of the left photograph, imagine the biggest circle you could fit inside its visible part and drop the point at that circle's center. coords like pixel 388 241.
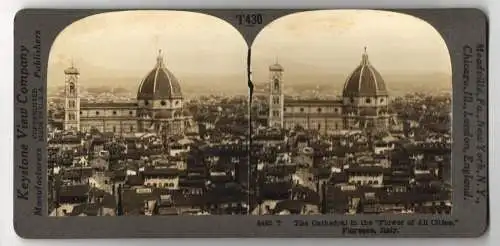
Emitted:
pixel 147 116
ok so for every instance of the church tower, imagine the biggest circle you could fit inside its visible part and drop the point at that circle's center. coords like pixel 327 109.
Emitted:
pixel 71 99
pixel 276 98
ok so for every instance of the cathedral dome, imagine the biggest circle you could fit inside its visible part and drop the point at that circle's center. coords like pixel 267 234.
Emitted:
pixel 364 81
pixel 159 84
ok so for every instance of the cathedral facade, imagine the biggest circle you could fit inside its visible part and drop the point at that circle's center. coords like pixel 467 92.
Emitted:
pixel 363 105
pixel 158 106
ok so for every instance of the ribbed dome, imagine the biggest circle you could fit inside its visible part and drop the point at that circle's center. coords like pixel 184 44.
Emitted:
pixel 364 81
pixel 159 84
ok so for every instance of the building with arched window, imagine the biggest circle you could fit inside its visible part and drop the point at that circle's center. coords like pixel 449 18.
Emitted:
pixel 364 103
pixel 158 108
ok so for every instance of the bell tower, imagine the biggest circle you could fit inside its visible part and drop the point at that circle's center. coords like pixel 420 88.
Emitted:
pixel 276 98
pixel 71 99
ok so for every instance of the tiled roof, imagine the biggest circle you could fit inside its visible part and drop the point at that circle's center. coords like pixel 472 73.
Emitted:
pixel 102 105
pixel 311 102
pixel 225 195
pixel 294 206
pixel 192 183
pixel 77 173
pixel 134 180
pixel 376 169
pixel 276 191
pixel 74 190
pixel 133 201
pixel 165 172
pixel 85 209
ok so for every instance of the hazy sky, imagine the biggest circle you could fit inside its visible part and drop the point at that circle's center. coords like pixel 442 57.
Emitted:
pixel 126 44
pixel 200 49
pixel 332 41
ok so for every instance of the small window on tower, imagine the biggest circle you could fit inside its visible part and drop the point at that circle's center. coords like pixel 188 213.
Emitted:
pixel 81 112
pixel 72 88
pixel 276 100
pixel 130 112
pixel 276 85
pixel 319 110
pixel 382 100
pixel 114 112
pixel 146 102
pixel 163 103
pixel 301 109
pixel 352 99
pixel 368 100
pixel 96 112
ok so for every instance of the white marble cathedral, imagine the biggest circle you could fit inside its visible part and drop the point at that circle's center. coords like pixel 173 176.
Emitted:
pixel 158 108
pixel 363 105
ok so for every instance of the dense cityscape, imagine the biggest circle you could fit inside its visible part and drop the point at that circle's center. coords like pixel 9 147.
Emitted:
pixel 405 169
pixel 106 173
pixel 157 153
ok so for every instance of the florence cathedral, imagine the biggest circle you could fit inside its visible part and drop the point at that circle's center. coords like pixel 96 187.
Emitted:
pixel 364 103
pixel 158 106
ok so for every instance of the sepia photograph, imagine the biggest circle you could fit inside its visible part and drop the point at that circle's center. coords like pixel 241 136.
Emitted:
pixel 351 115
pixel 148 115
pixel 250 123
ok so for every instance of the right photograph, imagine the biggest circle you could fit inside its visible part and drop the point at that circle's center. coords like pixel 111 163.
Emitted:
pixel 351 114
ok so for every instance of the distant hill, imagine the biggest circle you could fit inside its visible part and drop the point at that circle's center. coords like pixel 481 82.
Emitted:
pixel 396 83
pixel 197 86
pixel 130 79
pixel 295 82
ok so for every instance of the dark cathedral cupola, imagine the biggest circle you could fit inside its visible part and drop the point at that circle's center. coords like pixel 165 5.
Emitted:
pixel 159 83
pixel 364 81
